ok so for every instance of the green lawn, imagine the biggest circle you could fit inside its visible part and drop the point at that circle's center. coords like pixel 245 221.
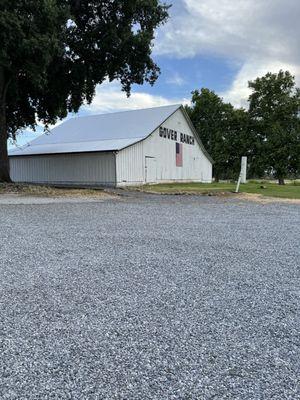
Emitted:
pixel 291 190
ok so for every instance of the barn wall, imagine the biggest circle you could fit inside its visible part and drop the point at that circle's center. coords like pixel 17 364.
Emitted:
pixel 87 169
pixel 131 162
pixel 130 165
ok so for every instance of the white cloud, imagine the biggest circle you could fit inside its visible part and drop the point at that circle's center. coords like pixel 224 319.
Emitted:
pixel 238 29
pixel 238 93
pixel 176 79
pixel 260 35
pixel 110 98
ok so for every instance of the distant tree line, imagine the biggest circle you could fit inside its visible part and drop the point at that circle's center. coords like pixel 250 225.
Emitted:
pixel 268 133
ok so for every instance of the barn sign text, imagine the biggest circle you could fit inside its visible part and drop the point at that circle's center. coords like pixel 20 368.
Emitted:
pixel 174 135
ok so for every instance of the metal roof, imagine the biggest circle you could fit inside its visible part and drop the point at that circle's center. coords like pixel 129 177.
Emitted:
pixel 105 132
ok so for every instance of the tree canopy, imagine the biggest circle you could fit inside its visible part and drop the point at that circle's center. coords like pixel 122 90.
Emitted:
pixel 224 131
pixel 268 133
pixel 275 106
pixel 54 52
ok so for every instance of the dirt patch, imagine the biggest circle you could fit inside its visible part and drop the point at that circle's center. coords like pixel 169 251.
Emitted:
pixel 49 191
pixel 258 198
pixel 215 193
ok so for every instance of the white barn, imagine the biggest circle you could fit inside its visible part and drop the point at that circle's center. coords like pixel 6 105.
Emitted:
pixel 155 145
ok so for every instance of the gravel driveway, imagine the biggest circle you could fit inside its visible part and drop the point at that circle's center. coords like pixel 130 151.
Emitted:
pixel 150 297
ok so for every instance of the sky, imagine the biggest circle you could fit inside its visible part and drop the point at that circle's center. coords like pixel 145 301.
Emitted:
pixel 218 44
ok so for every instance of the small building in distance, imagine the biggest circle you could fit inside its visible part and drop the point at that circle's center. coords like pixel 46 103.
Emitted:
pixel 155 145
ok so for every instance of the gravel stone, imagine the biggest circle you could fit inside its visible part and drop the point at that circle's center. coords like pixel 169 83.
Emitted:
pixel 150 297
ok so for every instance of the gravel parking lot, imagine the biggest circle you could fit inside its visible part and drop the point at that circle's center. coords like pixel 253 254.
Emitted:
pixel 150 297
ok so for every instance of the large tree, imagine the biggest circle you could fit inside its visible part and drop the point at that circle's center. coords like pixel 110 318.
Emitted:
pixel 209 115
pixel 53 53
pixel 275 106
pixel 225 132
pixel 240 140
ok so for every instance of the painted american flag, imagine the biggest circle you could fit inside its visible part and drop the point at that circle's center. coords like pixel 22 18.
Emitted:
pixel 178 154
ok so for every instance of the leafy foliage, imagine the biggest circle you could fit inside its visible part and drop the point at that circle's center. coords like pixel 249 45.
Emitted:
pixel 275 106
pixel 268 134
pixel 240 141
pixel 225 132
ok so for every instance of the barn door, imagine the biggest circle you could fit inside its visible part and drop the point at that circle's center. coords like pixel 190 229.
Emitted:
pixel 150 170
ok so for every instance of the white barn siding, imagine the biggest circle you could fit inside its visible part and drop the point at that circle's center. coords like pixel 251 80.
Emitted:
pixel 82 168
pixel 196 165
pixel 130 165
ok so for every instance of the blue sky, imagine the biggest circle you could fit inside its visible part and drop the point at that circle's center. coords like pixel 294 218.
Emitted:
pixel 219 44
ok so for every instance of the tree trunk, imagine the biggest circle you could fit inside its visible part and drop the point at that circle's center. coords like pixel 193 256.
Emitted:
pixel 4 161
pixel 217 175
pixel 281 181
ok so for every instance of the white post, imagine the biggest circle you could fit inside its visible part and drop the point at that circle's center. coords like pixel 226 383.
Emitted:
pixel 243 174
pixel 238 184
pixel 244 170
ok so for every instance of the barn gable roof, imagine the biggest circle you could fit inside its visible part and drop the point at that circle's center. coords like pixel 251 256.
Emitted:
pixel 104 132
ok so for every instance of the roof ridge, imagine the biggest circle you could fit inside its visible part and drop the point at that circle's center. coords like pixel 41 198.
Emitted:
pixel 178 105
